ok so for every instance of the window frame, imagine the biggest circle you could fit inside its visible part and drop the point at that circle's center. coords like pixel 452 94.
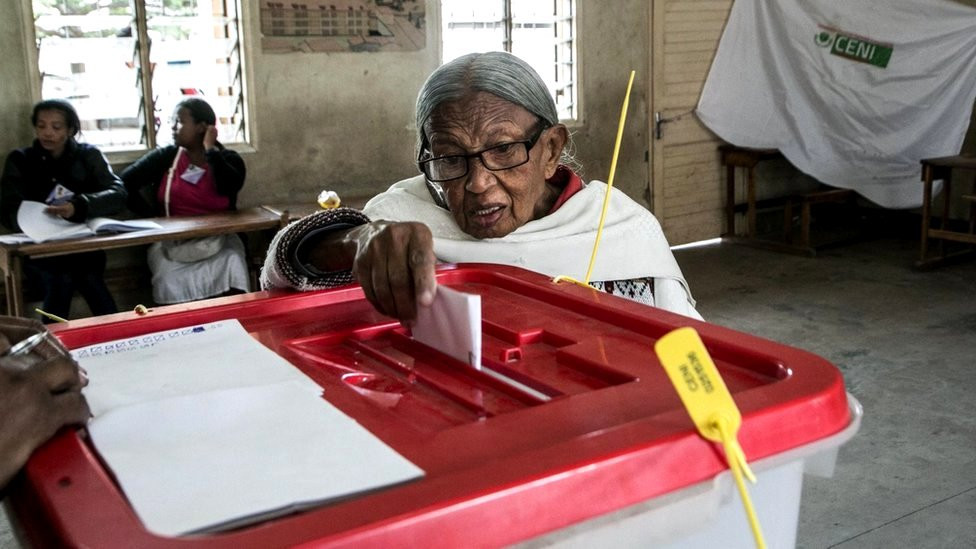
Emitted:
pixel 134 152
pixel 576 105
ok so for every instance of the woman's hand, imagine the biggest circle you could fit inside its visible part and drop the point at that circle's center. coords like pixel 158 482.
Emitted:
pixel 210 138
pixel 39 394
pixel 65 210
pixel 394 263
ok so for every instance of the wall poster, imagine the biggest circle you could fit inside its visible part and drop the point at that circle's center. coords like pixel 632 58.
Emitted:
pixel 343 25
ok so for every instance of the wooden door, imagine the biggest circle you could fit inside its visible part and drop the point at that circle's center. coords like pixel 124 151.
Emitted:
pixel 687 183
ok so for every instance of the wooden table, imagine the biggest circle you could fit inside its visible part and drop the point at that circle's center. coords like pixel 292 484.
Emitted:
pixel 297 210
pixel 241 221
pixel 933 169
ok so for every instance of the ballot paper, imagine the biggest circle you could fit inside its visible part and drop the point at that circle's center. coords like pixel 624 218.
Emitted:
pixel 206 429
pixel 452 325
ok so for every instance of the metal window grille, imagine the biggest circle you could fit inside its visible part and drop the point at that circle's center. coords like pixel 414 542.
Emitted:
pixel 141 58
pixel 543 32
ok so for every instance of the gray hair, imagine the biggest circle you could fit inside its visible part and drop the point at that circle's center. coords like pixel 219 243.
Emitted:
pixel 498 73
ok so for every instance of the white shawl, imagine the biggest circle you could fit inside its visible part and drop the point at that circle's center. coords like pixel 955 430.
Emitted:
pixel 632 244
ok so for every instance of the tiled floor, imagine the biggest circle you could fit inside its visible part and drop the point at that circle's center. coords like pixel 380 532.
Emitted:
pixel 905 341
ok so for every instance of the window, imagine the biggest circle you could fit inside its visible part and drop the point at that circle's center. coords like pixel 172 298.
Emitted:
pixel 124 88
pixel 540 31
pixel 301 19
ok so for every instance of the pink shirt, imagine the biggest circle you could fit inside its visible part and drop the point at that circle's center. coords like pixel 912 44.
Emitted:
pixel 187 198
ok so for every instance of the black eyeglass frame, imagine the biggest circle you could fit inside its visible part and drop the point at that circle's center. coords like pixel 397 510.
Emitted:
pixel 529 143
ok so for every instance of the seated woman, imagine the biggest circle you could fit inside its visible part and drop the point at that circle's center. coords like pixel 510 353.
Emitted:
pixel 493 190
pixel 196 175
pixel 77 183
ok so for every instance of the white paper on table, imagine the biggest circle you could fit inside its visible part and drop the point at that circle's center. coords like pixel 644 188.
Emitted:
pixel 452 325
pixel 16 238
pixel 213 461
pixel 42 226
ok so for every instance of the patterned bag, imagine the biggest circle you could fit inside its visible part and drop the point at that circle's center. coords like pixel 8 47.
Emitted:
pixel 192 250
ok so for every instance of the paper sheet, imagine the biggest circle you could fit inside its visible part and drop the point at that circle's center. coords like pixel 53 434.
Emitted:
pixel 16 238
pixel 452 325
pixel 43 226
pixel 194 359
pixel 205 429
pixel 204 462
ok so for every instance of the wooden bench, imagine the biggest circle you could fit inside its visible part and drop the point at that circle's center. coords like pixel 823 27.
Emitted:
pixel 734 157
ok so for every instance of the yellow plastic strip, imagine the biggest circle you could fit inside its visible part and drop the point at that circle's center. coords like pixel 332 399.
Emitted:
pixel 738 466
pixel 606 197
pixel 565 278
pixel 710 405
pixel 55 318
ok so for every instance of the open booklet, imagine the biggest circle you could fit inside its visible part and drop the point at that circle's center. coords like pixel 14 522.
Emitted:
pixel 207 429
pixel 41 227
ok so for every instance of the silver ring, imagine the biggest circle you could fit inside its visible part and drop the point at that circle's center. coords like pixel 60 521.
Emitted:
pixel 26 345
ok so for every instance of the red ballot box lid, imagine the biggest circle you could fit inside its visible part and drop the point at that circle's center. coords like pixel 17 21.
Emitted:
pixel 601 429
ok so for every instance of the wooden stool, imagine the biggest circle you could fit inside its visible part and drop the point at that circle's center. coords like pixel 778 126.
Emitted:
pixel 740 157
pixel 932 170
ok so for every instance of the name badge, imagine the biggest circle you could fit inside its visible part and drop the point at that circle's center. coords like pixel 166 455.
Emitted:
pixel 192 174
pixel 59 195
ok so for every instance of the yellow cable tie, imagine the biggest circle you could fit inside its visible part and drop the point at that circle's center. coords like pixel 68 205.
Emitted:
pixel 55 318
pixel 565 278
pixel 707 399
pixel 606 197
pixel 738 466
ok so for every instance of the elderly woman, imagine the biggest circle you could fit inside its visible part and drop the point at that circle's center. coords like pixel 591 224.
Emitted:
pixel 493 190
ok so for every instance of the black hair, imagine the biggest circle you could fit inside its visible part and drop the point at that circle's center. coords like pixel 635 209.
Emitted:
pixel 65 108
pixel 200 110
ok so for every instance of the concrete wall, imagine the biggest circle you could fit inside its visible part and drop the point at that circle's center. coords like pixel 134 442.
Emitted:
pixel 344 121
pixel 15 89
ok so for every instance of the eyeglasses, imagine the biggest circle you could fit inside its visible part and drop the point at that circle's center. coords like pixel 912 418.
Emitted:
pixel 502 156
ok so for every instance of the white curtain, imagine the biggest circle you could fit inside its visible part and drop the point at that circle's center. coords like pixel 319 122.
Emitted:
pixel 853 92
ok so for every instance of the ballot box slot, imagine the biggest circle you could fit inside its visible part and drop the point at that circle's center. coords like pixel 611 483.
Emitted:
pixel 428 390
pixel 414 403
pixel 541 362
pixel 462 381
pixel 432 391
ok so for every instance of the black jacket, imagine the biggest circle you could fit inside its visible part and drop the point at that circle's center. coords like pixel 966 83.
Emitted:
pixel 142 178
pixel 32 173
